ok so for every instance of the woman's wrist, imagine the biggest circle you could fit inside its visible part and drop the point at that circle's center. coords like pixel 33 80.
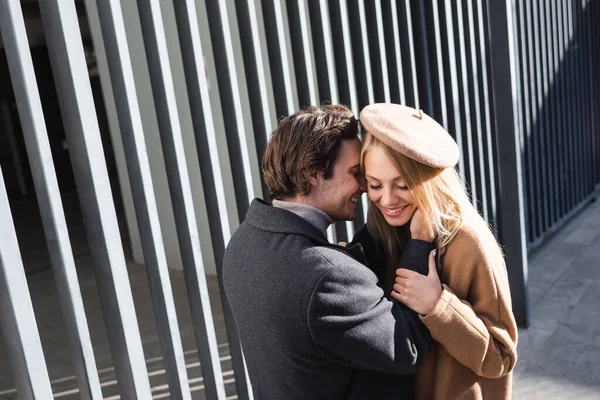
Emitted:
pixel 434 301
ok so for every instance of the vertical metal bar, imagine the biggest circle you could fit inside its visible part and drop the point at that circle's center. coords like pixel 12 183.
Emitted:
pixel 580 106
pixel 596 17
pixel 586 81
pixel 284 74
pixel 345 24
pixel 595 87
pixel 81 126
pixel 261 63
pixel 563 104
pixel 580 97
pixel 467 105
pixel 590 101
pixel 16 311
pixel 306 75
pixel 423 62
pixel 333 84
pixel 566 105
pixel 584 85
pixel 533 134
pixel 529 192
pixel 366 51
pixel 487 107
pixel 258 72
pixel 559 116
pixel 183 207
pixel 592 45
pixel 205 103
pixel 354 104
pixel 14 147
pixel 454 85
pixel 541 124
pixel 374 51
pixel 592 49
pixel 138 167
pixel 25 88
pixel 552 113
pixel 398 53
pixel 573 103
pixel 546 132
pixel 439 60
pixel 518 100
pixel 519 116
pixel 315 92
pixel 502 45
pixel 382 52
pixel 328 45
pixel 335 98
pixel 235 101
pixel 596 72
pixel 411 47
pixel 110 110
pixel 574 98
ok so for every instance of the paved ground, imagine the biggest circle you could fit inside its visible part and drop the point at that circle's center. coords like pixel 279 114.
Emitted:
pixel 559 355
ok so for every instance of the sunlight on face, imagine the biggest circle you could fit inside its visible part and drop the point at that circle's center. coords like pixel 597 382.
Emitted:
pixel 387 189
pixel 340 193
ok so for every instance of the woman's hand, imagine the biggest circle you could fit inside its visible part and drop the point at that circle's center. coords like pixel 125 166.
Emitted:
pixel 419 293
pixel 418 228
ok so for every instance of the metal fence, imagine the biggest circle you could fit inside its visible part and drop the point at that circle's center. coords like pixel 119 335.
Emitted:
pixel 515 82
pixel 559 116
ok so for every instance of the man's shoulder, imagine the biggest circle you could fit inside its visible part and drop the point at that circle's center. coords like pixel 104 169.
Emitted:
pixel 336 264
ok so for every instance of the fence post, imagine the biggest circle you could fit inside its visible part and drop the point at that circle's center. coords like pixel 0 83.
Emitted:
pixel 511 220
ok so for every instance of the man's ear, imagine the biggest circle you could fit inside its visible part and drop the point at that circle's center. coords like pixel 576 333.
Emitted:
pixel 313 177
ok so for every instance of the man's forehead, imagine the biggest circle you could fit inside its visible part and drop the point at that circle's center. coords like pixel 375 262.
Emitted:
pixel 349 156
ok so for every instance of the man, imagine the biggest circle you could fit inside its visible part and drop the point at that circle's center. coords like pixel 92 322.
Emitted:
pixel 312 319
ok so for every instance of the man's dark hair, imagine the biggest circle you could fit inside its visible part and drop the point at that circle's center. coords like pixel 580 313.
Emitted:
pixel 305 143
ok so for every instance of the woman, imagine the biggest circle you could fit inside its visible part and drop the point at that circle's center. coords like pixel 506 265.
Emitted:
pixel 409 160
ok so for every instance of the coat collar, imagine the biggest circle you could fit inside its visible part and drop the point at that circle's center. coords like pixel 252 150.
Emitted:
pixel 265 217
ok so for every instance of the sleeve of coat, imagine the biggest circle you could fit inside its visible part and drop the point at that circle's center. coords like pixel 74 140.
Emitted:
pixel 352 323
pixel 480 333
pixel 416 256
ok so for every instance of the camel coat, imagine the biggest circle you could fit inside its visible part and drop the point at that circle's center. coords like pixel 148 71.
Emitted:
pixel 472 322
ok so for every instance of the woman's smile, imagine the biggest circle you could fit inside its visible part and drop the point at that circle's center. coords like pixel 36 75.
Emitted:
pixel 395 211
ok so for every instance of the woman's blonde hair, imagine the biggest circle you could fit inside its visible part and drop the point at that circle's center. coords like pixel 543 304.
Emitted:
pixel 438 192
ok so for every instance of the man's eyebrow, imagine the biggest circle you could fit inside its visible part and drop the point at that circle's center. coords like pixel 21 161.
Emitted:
pixel 355 166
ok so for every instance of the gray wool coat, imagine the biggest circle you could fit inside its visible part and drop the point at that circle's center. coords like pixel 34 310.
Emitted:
pixel 312 321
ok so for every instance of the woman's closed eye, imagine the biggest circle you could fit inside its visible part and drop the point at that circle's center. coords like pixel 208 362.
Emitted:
pixel 377 187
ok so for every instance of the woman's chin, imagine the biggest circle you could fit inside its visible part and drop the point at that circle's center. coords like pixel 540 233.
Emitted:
pixel 396 221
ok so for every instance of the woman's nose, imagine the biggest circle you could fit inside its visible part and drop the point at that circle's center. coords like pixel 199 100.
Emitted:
pixel 388 198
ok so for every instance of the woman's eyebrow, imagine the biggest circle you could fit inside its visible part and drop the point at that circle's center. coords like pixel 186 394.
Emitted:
pixel 375 179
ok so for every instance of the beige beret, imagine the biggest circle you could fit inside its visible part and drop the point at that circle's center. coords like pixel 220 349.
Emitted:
pixel 412 133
